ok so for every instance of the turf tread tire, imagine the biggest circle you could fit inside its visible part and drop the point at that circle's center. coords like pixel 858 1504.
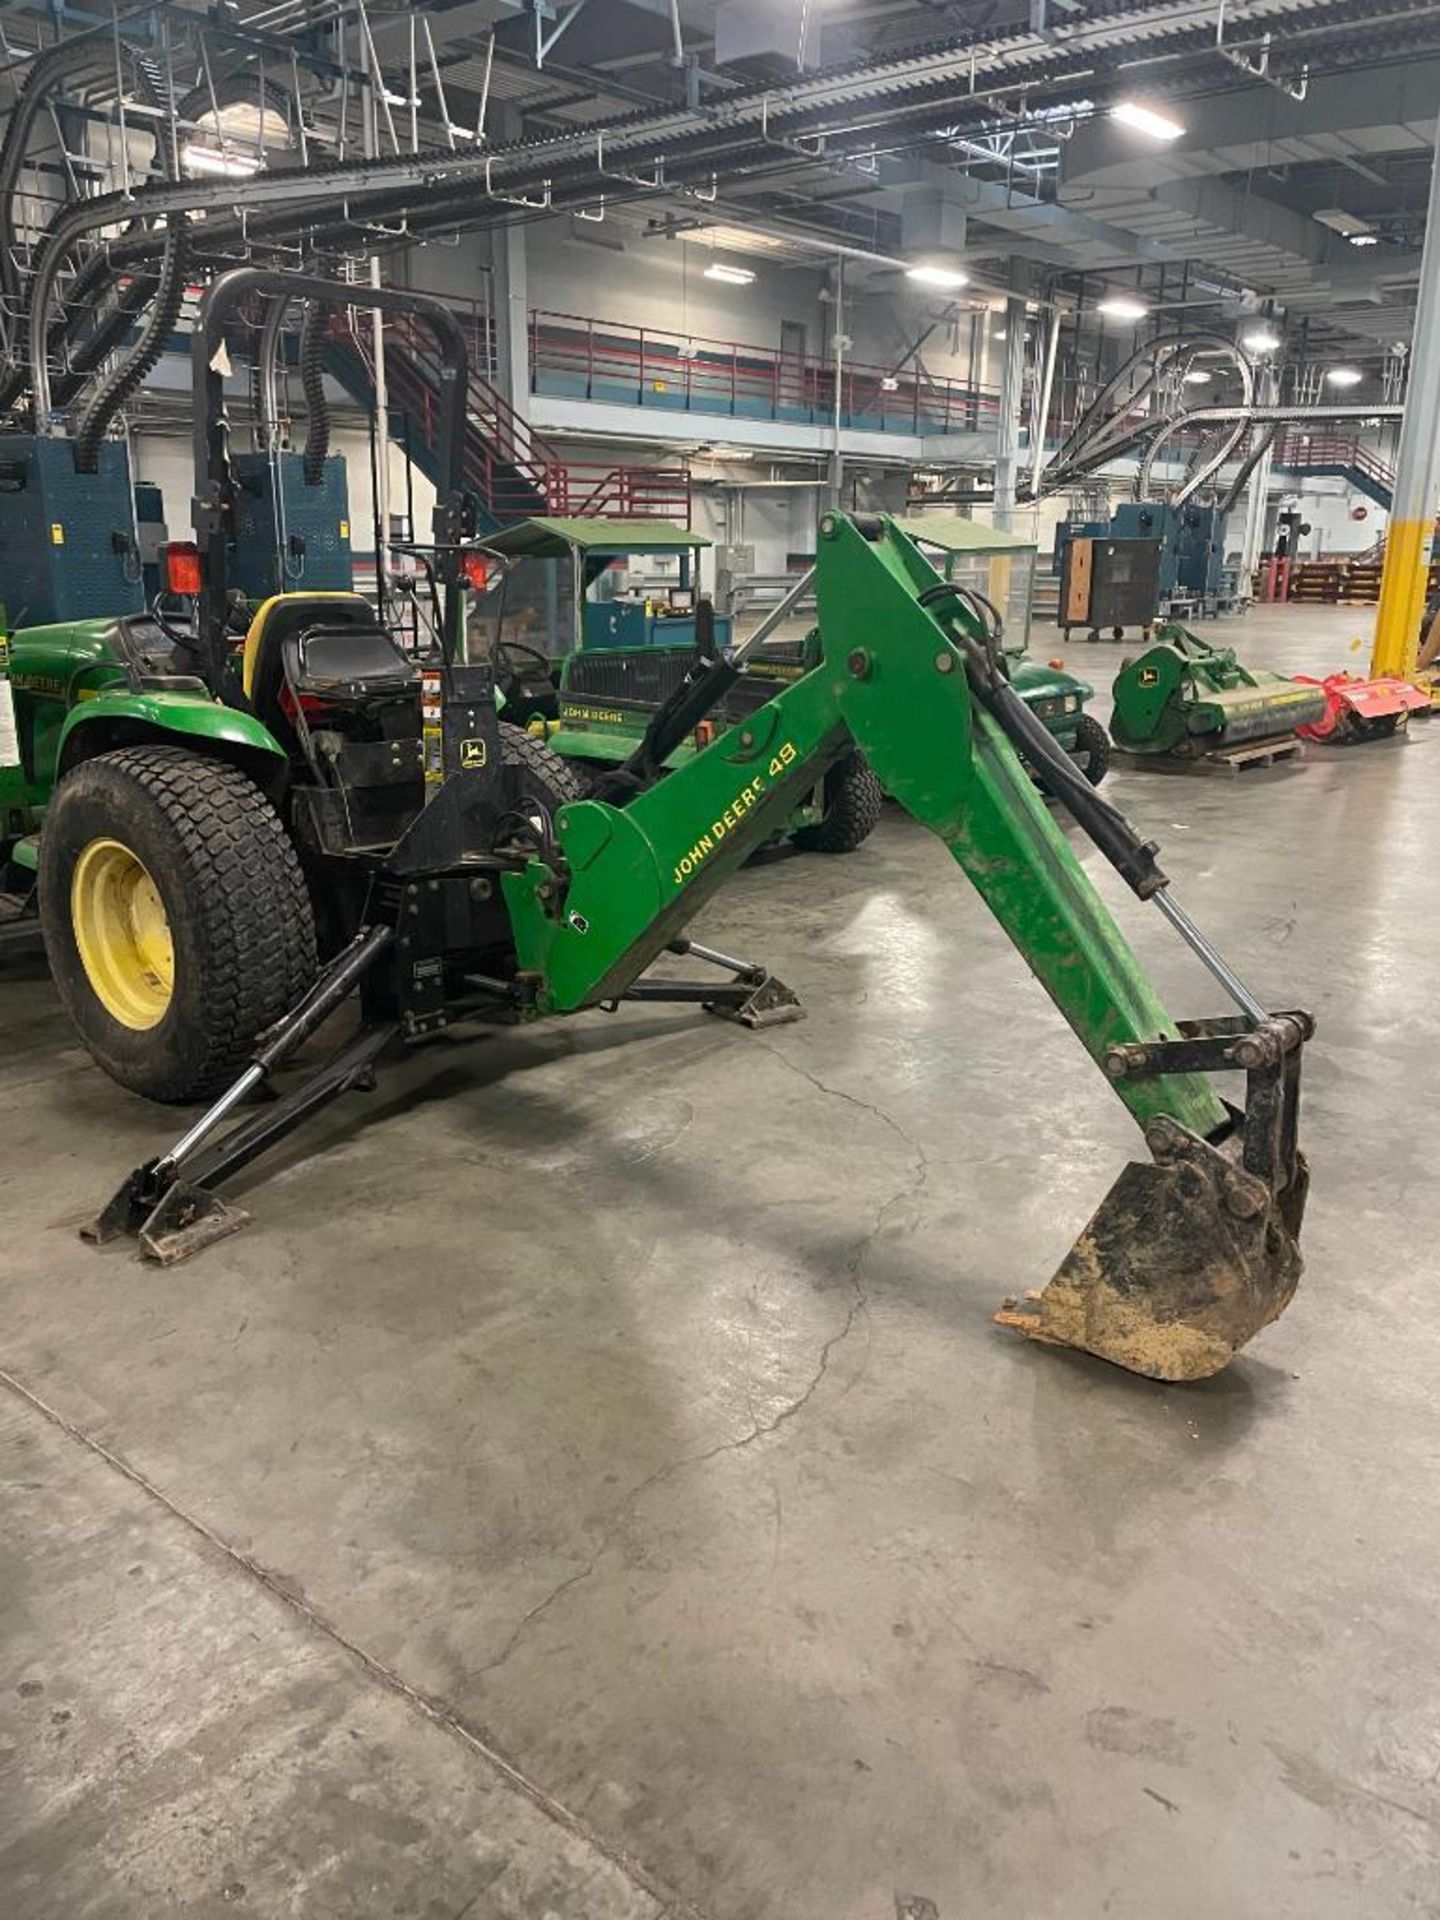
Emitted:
pixel 1092 740
pixel 854 800
pixel 539 766
pixel 239 911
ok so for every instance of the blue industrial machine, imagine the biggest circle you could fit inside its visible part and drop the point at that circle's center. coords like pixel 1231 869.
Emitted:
pixel 290 536
pixel 1191 541
pixel 68 547
pixel 1192 548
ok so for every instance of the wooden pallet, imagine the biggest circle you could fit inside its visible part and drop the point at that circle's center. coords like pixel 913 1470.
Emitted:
pixel 1287 751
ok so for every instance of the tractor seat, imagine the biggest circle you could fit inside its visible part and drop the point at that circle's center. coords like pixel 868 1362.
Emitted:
pixel 348 662
pixel 351 649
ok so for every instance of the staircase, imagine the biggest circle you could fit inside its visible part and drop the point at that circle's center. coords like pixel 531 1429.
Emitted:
pixel 1337 456
pixel 510 471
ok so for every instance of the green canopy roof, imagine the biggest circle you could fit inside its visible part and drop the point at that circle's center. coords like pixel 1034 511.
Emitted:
pixel 551 536
pixel 955 535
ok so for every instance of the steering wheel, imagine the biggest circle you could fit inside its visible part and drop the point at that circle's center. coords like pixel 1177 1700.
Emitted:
pixel 505 648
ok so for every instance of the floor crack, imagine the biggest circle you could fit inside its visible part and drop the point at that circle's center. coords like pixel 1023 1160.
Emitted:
pixel 760 1430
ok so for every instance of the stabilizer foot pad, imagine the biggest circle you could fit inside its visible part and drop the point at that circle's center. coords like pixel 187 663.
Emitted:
pixel 770 1003
pixel 186 1220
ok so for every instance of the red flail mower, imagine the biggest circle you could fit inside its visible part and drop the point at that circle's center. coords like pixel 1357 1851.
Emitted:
pixel 1357 709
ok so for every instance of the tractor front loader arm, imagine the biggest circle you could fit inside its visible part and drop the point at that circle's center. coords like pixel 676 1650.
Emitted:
pixel 1190 1253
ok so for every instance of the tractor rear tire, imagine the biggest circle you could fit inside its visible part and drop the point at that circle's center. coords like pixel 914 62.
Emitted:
pixel 175 875
pixel 854 799
pixel 1092 745
pixel 534 771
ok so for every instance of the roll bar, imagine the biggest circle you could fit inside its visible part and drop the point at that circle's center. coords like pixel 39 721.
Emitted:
pixel 212 508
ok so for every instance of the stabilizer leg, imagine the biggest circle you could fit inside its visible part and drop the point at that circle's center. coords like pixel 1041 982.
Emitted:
pixel 753 998
pixel 170 1203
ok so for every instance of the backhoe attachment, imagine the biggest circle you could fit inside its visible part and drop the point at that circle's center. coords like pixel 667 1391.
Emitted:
pixel 1192 1252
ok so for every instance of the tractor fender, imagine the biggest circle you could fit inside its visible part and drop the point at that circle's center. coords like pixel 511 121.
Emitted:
pixel 120 718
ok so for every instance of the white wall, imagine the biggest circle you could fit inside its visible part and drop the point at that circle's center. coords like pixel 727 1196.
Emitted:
pixel 1327 505
pixel 661 283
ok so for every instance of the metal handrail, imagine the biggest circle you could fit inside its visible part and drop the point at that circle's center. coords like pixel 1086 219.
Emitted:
pixel 726 376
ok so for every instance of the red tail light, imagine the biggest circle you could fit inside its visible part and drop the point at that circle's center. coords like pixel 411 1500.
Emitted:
pixel 475 569
pixel 183 572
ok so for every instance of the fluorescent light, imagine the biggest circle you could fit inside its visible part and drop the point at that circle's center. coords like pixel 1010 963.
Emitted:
pixel 1197 377
pixel 1123 306
pixel 1159 126
pixel 889 384
pixel 1344 376
pixel 227 166
pixel 732 276
pixel 1339 221
pixel 1363 239
pixel 1260 340
pixel 946 278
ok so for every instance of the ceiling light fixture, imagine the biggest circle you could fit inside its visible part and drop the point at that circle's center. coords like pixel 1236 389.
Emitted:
pixel 947 279
pixel 732 276
pixel 1339 221
pixel 1260 340
pixel 1198 377
pixel 1123 306
pixel 1344 376
pixel 1130 113
pixel 225 166
pixel 1363 239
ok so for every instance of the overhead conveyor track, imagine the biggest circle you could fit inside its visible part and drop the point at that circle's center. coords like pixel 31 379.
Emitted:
pixel 739 131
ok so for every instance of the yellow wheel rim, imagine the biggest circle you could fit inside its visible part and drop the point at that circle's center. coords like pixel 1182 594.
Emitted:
pixel 122 934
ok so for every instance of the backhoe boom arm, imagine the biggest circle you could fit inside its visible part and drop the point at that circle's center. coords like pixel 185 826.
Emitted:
pixel 892 682
pixel 1190 1253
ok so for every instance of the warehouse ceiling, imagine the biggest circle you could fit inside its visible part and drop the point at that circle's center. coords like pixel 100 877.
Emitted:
pixel 975 133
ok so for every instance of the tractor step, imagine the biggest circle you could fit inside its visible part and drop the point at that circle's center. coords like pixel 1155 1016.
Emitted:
pixel 1284 751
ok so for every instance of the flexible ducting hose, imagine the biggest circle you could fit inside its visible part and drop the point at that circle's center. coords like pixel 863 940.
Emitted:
pixel 129 373
pixel 312 383
pixel 51 68
pixel 57 63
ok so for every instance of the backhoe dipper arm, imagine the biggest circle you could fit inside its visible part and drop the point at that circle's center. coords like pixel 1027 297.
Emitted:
pixel 1186 1258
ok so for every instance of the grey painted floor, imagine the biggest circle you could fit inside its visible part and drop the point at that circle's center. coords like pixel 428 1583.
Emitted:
pixel 594 1487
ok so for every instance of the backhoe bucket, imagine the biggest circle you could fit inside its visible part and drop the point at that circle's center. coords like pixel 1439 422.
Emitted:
pixel 1187 1258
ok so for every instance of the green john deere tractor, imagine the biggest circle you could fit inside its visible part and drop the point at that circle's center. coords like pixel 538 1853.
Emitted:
pixel 236 846
pixel 635 645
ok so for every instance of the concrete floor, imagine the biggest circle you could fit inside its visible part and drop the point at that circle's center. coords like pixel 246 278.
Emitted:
pixel 593 1486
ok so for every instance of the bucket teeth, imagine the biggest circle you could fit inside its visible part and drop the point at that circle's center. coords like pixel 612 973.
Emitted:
pixel 1183 1262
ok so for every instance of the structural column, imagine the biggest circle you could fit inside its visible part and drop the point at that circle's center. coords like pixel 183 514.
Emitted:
pixel 1417 469
pixel 510 295
pixel 1012 390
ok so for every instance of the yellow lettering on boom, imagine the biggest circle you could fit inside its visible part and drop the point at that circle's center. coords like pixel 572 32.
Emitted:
pixel 731 818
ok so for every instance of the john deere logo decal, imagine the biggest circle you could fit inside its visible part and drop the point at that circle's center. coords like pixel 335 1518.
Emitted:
pixel 472 753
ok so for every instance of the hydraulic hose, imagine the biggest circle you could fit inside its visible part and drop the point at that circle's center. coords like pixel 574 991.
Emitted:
pixel 129 374
pixel 1132 858
pixel 312 383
